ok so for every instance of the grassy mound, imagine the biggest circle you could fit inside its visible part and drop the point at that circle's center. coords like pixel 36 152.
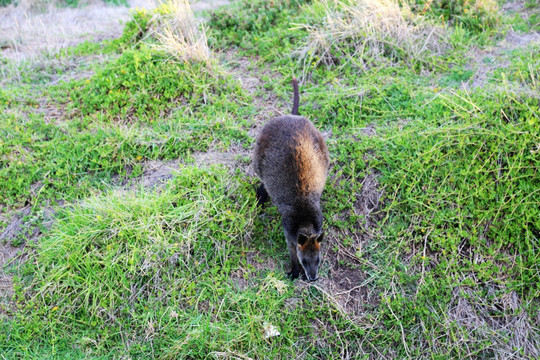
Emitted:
pixel 141 103
pixel 431 206
pixel 156 268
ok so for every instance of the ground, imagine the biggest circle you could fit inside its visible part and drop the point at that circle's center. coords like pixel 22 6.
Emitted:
pixel 142 225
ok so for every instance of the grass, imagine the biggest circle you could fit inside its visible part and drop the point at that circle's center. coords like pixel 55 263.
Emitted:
pixel 181 36
pixel 362 33
pixel 431 206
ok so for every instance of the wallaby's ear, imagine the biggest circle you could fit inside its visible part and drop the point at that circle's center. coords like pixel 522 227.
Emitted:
pixel 302 239
pixel 320 238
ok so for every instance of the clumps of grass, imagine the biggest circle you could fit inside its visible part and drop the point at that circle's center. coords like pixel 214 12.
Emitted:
pixel 475 15
pixel 135 29
pixel 366 32
pixel 172 29
pixel 147 85
pixel 165 64
pixel 113 250
pixel 181 35
pixel 150 271
pixel 246 19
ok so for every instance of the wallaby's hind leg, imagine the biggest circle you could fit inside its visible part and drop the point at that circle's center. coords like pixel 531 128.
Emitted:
pixel 262 195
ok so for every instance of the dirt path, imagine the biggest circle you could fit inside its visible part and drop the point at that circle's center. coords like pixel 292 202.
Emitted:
pixel 485 61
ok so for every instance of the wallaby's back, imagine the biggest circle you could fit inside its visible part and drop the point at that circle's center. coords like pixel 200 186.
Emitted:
pixel 291 159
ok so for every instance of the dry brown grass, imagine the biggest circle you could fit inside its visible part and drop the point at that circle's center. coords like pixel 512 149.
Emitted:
pixel 27 31
pixel 180 34
pixel 507 335
pixel 372 29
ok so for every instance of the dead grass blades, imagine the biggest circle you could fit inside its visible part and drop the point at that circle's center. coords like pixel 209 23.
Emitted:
pixel 179 33
pixel 364 31
pixel 500 324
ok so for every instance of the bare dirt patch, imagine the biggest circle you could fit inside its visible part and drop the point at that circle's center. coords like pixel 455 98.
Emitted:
pixel 204 5
pixel 234 158
pixel 485 61
pixel 155 173
pixel 347 283
pixel 22 227
pixel 7 254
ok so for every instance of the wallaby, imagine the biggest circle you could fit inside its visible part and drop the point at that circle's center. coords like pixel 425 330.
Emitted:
pixel 291 159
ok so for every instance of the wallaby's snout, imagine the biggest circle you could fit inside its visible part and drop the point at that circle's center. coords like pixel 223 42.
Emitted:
pixel 291 159
pixel 308 253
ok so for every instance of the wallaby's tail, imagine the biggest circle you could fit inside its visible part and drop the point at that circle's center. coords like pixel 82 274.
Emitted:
pixel 296 99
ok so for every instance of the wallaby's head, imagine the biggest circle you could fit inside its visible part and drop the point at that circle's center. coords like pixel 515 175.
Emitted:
pixel 308 252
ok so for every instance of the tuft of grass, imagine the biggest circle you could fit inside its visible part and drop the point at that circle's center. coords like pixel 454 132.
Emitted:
pixel 363 32
pixel 243 21
pixel 475 15
pixel 145 84
pixel 181 35
pixel 134 244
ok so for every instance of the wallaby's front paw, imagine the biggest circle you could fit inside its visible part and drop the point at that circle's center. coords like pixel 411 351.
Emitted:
pixel 293 274
pixel 262 195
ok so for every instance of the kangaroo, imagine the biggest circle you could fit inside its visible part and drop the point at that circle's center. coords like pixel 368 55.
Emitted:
pixel 291 159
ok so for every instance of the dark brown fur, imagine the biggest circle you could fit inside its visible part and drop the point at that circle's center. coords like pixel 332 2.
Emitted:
pixel 291 159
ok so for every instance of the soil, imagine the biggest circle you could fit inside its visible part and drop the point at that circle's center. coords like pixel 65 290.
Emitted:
pixel 23 227
pixel 485 61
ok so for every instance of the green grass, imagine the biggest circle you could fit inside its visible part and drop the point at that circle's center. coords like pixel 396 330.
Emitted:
pixel 477 15
pixel 431 216
pixel 138 106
